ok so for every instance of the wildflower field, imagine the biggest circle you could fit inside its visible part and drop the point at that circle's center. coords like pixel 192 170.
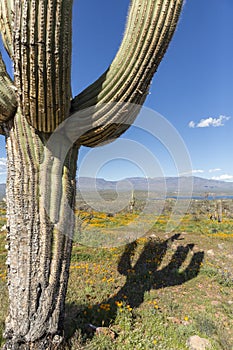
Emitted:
pixel 151 293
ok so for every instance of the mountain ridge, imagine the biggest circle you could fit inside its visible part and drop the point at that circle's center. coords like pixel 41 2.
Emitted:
pixel 169 184
pixel 157 184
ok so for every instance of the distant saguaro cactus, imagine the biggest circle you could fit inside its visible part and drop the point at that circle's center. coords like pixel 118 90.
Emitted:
pixel 219 210
pixel 37 37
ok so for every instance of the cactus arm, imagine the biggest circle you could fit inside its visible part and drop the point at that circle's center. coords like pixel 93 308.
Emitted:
pixel 42 60
pixel 149 29
pixel 6 21
pixel 8 103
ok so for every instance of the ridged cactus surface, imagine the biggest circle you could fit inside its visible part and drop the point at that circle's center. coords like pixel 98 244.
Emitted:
pixel 8 102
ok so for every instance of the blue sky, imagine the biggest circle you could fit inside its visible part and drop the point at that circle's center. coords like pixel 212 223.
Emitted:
pixel 192 88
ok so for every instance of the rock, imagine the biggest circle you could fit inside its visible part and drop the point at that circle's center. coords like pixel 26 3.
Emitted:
pixel 186 323
pixel 197 343
pixel 3 228
pixel 210 252
pixel 220 245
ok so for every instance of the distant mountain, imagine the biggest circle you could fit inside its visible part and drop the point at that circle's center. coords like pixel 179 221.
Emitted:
pixel 168 184
pixel 2 191
pixel 200 185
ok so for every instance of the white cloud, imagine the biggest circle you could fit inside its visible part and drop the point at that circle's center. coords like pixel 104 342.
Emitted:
pixel 214 170
pixel 192 124
pixel 205 123
pixel 223 177
pixel 194 171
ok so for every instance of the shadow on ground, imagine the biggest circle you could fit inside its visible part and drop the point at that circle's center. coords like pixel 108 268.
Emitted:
pixel 145 275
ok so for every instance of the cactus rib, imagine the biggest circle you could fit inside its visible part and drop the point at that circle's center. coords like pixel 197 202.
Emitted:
pixel 6 24
pixel 8 103
pixel 42 55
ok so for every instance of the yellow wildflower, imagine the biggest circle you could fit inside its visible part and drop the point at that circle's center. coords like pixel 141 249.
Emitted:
pixel 119 303
pixel 129 308
pixel 110 280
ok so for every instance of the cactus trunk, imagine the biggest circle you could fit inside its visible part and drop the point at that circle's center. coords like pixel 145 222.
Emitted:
pixel 38 252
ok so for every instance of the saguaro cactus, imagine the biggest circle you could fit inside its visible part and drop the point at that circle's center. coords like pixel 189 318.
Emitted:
pixel 37 37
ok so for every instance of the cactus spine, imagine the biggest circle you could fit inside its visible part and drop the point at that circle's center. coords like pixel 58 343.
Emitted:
pixel 37 37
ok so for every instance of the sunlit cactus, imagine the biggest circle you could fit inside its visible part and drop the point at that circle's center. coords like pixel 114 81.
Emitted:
pixel 8 101
pixel 37 37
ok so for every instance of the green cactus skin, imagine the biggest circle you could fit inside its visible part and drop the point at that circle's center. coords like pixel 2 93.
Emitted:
pixel 38 255
pixel 8 102
pixel 6 23
pixel 37 37
pixel 42 60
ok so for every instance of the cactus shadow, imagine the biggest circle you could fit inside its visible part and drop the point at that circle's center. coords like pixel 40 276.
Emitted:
pixel 148 273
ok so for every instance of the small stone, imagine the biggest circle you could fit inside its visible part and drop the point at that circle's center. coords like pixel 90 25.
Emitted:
pixel 197 343
pixel 210 252
pixel 220 245
pixel 3 228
